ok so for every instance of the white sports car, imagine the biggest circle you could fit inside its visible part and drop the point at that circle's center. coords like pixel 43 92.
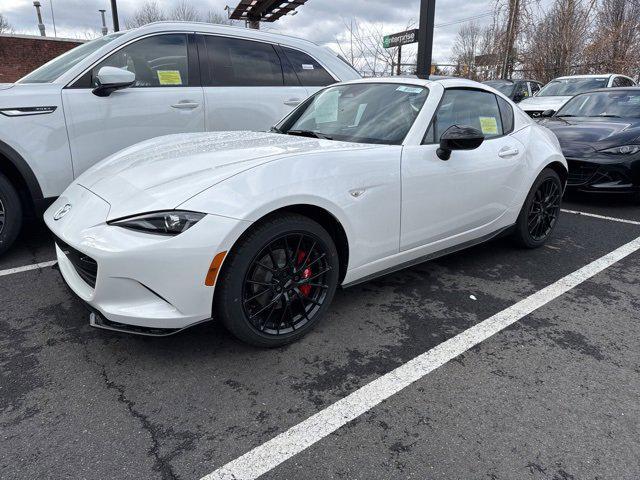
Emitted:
pixel 259 229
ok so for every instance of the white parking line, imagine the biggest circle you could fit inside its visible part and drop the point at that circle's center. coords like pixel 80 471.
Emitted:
pixel 269 455
pixel 602 217
pixel 35 266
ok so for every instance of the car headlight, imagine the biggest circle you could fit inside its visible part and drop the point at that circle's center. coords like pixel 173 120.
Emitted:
pixel 623 150
pixel 162 223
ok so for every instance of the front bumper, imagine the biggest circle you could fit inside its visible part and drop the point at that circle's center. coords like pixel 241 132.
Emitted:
pixel 604 175
pixel 142 281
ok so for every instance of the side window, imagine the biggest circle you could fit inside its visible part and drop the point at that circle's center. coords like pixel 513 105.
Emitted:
pixel 521 91
pixel 243 63
pixel 158 61
pixel 617 82
pixel 309 71
pixel 535 87
pixel 506 115
pixel 625 82
pixel 474 108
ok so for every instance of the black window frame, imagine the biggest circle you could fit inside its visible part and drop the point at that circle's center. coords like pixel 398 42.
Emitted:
pixel 437 142
pixel 85 79
pixel 207 68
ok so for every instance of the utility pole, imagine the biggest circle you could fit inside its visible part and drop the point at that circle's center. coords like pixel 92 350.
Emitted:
pixel 114 15
pixel 399 60
pixel 425 37
pixel 53 19
pixel 512 28
pixel 36 4
pixel 105 30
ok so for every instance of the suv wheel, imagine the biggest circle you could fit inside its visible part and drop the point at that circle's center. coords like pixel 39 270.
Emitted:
pixel 10 214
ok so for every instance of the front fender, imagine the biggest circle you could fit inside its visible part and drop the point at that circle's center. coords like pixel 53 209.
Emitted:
pixel 360 188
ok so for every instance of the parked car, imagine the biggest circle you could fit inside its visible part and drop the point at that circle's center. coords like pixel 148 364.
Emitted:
pixel 516 90
pixel 259 229
pixel 600 136
pixel 558 91
pixel 126 87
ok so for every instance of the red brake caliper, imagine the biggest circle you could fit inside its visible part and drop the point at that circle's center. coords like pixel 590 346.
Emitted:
pixel 304 289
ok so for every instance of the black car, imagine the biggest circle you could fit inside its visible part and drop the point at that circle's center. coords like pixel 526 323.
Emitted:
pixel 516 90
pixel 599 132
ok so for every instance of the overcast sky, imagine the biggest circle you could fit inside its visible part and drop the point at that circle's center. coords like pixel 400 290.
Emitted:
pixel 319 20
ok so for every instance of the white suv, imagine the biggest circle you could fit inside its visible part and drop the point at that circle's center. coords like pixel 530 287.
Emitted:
pixel 163 78
pixel 560 90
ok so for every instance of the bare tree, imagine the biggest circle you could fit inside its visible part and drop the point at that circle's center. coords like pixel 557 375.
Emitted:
pixel 555 44
pixel 465 49
pixel 615 44
pixel 148 12
pixel 5 26
pixel 185 11
pixel 361 45
pixel 221 18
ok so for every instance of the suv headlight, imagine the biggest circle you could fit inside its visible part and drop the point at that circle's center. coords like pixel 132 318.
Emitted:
pixel 623 150
pixel 172 223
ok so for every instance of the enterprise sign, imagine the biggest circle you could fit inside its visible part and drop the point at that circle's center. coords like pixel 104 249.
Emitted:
pixel 402 38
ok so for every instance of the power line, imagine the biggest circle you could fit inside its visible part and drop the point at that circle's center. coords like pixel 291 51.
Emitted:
pixel 463 20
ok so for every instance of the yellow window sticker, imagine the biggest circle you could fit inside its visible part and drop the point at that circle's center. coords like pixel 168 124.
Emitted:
pixel 489 125
pixel 169 77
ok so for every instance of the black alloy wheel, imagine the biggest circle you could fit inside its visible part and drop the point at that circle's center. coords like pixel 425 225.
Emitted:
pixel 286 284
pixel 278 280
pixel 544 210
pixel 541 210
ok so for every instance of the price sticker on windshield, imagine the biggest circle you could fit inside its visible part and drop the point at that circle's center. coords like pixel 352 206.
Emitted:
pixel 489 125
pixel 169 77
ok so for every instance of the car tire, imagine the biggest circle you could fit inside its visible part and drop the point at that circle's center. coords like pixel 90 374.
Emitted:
pixel 539 214
pixel 10 214
pixel 264 280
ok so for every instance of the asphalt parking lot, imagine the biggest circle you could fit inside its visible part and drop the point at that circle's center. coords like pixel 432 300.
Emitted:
pixel 554 395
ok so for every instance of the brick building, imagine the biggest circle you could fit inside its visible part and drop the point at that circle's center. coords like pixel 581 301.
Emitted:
pixel 21 54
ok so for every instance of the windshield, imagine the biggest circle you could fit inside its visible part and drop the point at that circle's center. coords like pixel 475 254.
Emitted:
pixel 363 112
pixel 603 104
pixel 571 86
pixel 51 70
pixel 503 87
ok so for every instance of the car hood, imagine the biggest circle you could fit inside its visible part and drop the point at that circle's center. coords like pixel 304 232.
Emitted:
pixel 580 136
pixel 164 172
pixel 543 103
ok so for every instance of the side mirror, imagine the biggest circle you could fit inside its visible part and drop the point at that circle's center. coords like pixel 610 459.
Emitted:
pixel 110 79
pixel 548 113
pixel 459 137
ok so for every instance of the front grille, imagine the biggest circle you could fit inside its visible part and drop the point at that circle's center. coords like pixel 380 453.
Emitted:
pixel 580 172
pixel 85 266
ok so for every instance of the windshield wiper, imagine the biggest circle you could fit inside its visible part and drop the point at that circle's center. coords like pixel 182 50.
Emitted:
pixel 607 115
pixel 565 115
pixel 309 133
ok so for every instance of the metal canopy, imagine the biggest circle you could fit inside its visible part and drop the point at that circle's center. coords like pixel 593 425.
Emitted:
pixel 264 10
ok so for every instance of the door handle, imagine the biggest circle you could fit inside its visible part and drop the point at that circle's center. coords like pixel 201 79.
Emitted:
pixel 293 102
pixel 185 105
pixel 508 152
